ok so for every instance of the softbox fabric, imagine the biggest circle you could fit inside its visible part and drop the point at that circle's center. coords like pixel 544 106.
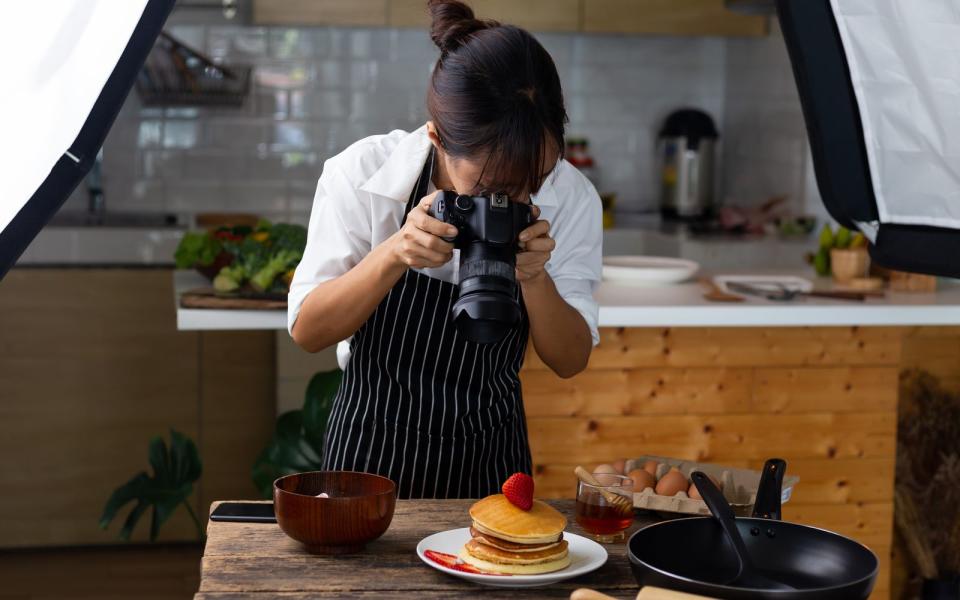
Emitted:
pixel 69 66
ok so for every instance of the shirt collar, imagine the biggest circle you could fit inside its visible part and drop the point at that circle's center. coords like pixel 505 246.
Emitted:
pixel 399 173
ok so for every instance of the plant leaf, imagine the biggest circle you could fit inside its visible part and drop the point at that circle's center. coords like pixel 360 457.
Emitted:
pixel 122 495
pixel 317 405
pixel 174 472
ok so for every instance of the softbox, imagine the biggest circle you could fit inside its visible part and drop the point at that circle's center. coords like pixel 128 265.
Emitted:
pixel 69 65
pixel 879 82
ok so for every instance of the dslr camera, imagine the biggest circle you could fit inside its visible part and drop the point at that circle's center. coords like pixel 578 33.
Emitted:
pixel 487 230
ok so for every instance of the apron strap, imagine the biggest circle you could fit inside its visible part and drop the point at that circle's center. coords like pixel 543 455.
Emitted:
pixel 420 188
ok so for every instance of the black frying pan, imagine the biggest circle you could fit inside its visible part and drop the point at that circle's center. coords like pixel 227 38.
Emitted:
pixel 694 555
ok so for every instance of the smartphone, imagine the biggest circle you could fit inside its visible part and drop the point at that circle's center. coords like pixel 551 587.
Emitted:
pixel 244 512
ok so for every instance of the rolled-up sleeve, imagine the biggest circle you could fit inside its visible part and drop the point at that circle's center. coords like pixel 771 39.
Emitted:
pixel 338 236
pixel 575 265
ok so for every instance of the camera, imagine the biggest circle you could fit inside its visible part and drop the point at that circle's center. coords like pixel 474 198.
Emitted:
pixel 487 230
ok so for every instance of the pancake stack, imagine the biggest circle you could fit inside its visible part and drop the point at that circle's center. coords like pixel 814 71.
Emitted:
pixel 509 540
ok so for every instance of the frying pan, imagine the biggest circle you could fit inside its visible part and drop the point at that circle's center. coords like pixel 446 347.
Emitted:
pixel 791 561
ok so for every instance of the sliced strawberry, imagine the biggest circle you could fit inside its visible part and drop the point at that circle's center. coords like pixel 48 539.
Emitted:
pixel 519 490
pixel 447 560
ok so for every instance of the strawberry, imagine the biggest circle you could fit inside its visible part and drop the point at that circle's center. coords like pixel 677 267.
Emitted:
pixel 519 490
pixel 452 562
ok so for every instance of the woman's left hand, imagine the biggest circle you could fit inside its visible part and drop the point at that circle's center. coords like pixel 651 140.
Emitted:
pixel 535 248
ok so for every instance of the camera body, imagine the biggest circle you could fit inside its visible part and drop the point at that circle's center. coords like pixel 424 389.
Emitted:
pixel 487 230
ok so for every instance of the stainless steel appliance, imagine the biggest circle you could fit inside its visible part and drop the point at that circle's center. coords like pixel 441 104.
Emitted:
pixel 686 148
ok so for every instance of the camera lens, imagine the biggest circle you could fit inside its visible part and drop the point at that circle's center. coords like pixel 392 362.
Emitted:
pixel 487 307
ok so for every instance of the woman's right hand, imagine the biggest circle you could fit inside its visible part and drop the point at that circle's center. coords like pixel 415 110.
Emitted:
pixel 419 243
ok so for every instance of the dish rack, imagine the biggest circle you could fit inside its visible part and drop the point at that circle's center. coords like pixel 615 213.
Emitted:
pixel 178 75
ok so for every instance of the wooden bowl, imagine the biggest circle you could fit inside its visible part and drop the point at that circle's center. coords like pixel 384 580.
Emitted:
pixel 848 264
pixel 359 509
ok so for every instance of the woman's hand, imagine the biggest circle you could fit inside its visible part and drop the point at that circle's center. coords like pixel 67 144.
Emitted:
pixel 419 243
pixel 535 248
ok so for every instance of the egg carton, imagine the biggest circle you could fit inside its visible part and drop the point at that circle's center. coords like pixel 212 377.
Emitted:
pixel 739 487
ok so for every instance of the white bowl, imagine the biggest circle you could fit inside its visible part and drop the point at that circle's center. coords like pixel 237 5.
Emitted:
pixel 648 270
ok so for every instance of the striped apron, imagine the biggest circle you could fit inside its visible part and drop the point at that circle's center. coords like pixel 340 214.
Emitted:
pixel 439 415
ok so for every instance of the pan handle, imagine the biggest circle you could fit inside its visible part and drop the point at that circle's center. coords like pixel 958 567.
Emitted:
pixel 767 505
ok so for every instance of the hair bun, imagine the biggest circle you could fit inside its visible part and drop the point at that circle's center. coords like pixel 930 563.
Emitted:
pixel 453 22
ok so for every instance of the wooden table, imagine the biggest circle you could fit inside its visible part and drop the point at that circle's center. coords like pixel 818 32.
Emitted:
pixel 257 561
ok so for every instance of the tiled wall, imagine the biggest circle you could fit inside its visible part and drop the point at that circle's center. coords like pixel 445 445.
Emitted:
pixel 766 152
pixel 318 89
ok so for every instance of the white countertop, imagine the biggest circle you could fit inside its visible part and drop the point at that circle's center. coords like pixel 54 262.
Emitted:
pixel 680 305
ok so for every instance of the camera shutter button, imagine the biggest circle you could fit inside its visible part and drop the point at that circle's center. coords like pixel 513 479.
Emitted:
pixel 464 203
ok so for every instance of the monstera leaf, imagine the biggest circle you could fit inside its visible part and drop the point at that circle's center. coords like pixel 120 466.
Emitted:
pixel 175 469
pixel 297 443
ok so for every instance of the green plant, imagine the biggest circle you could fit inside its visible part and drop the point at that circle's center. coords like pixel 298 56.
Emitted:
pixel 843 239
pixel 297 443
pixel 175 469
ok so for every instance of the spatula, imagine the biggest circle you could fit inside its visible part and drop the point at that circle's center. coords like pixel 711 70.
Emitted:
pixel 748 575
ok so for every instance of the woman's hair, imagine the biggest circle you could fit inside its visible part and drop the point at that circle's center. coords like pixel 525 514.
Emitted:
pixel 495 95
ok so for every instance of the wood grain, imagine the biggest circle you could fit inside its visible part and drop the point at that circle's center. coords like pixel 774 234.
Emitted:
pixel 850 389
pixel 742 347
pixel 320 12
pixel 714 438
pixel 534 15
pixel 91 367
pixel 257 558
pixel 689 17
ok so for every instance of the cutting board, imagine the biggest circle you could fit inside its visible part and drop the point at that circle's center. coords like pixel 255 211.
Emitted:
pixel 209 298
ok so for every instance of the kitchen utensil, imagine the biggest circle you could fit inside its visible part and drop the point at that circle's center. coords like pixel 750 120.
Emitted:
pixel 647 270
pixel 621 503
pixel 647 593
pixel 715 294
pixel 740 487
pixel 785 294
pixel 848 263
pixel 694 555
pixel 585 556
pixel 605 520
pixel 358 510
pixel 770 283
pixel 686 149
pixel 747 575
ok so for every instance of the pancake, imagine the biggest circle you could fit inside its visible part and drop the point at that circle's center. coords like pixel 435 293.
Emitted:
pixel 534 569
pixel 510 546
pixel 479 550
pixel 496 516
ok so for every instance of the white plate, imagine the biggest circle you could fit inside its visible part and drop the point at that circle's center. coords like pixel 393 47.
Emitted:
pixel 585 556
pixel 648 270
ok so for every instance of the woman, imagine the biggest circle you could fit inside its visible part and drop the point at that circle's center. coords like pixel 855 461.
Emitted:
pixel 438 414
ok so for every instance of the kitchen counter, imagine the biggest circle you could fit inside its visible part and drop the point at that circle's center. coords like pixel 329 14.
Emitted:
pixel 679 305
pixel 252 561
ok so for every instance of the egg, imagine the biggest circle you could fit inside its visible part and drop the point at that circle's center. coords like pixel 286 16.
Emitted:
pixel 651 467
pixel 694 493
pixel 603 472
pixel 672 483
pixel 619 464
pixel 642 480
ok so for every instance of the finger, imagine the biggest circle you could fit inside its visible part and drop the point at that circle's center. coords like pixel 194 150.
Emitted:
pixel 427 201
pixel 534 212
pixel 540 244
pixel 418 256
pixel 536 230
pixel 424 222
pixel 428 240
pixel 532 259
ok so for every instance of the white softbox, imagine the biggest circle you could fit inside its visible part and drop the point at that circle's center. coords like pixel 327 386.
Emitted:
pixel 69 65
pixel 879 81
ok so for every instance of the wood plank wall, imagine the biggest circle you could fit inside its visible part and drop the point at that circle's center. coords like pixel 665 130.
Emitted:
pixel 824 399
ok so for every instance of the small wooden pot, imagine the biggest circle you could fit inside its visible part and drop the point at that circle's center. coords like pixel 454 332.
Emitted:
pixel 847 264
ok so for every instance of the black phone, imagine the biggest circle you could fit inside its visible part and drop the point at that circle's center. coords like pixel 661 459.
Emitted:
pixel 244 512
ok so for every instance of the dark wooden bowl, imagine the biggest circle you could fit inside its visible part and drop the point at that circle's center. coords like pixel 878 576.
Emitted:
pixel 359 509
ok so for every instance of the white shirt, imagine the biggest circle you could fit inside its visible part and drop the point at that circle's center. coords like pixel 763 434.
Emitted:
pixel 361 197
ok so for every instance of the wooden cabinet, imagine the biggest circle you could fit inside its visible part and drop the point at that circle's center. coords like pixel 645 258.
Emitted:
pixel 670 17
pixel 91 367
pixel 660 17
pixel 535 15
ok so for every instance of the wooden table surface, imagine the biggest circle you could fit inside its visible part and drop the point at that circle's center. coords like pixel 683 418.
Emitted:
pixel 258 561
